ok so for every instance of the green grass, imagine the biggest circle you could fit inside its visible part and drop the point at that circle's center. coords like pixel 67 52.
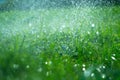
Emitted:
pixel 58 44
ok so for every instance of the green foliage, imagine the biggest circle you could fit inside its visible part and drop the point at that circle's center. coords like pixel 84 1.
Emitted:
pixel 66 44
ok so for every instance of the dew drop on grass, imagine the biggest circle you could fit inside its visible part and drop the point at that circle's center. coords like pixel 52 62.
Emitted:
pixel 76 65
pixel 88 32
pixel 97 33
pixel 30 24
pixel 98 69
pixel 92 74
pixel 46 62
pixel 83 69
pixel 93 25
pixel 83 65
pixel 27 66
pixel 63 26
pixel 103 76
pixel 113 58
pixel 103 67
pixel 114 55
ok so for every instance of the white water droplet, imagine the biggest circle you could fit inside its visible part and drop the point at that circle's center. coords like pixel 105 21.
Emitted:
pixel 63 26
pixel 83 69
pixel 27 66
pixel 114 55
pixel 113 58
pixel 92 74
pixel 98 69
pixel 88 32
pixel 103 67
pixel 83 65
pixel 93 25
pixel 103 76
pixel 97 33
pixel 30 24
pixel 75 65
pixel 46 62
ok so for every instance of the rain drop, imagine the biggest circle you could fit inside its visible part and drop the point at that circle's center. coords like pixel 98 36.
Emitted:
pixel 83 65
pixel 93 25
pixel 83 69
pixel 97 33
pixel 46 62
pixel 27 66
pixel 88 32
pixel 92 74
pixel 103 76
pixel 113 58
pixel 98 69
pixel 30 24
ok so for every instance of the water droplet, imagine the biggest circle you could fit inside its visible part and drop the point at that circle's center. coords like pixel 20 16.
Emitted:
pixel 75 65
pixel 92 74
pixel 93 25
pixel 113 58
pixel 98 69
pixel 27 66
pixel 103 67
pixel 114 55
pixel 103 76
pixel 97 33
pixel 83 65
pixel 46 62
pixel 30 24
pixel 83 69
pixel 63 26
pixel 88 32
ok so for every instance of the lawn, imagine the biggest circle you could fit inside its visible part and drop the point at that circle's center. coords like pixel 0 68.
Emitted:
pixel 74 43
